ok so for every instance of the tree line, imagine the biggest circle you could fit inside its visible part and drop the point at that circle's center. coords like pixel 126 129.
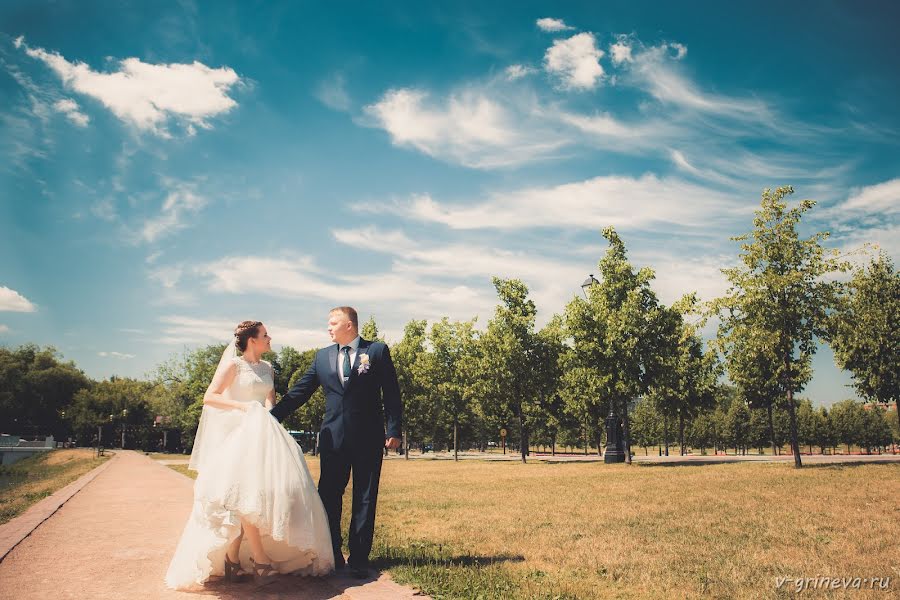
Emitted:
pixel 617 350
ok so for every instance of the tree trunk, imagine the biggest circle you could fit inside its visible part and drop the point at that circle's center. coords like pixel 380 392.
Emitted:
pixel 626 433
pixel 599 443
pixel 666 433
pixel 553 446
pixel 406 444
pixel 585 436
pixel 681 432
pixel 523 438
pixel 795 446
pixel 455 440
pixel 772 429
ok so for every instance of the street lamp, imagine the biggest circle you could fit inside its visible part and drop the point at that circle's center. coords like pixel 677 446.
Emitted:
pixel 124 417
pixel 588 284
pixel 614 453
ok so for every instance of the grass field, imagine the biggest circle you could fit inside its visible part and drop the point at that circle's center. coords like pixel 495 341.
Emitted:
pixel 39 476
pixel 506 530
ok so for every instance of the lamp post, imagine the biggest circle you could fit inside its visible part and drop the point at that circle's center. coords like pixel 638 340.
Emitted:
pixel 614 453
pixel 124 416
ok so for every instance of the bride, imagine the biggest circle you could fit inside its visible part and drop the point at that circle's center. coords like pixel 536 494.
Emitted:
pixel 252 481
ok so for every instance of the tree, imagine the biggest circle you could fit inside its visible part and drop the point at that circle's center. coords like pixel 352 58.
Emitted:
pixel 686 382
pixel 511 369
pixel 646 424
pixel 865 332
pixel 847 421
pixel 410 358
pixel 370 330
pixel 779 298
pixel 36 388
pixel 447 369
pixel 308 417
pixel 618 334
pixel 737 427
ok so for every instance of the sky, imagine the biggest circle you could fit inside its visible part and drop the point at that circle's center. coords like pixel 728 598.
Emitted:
pixel 168 169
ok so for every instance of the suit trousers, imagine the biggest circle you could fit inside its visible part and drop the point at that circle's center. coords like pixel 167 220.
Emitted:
pixel 336 467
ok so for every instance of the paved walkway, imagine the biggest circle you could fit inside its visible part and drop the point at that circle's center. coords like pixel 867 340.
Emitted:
pixel 115 537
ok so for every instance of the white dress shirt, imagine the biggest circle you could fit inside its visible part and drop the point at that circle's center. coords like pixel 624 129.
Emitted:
pixel 354 346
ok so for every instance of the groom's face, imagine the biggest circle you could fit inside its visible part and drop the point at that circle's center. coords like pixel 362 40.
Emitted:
pixel 340 328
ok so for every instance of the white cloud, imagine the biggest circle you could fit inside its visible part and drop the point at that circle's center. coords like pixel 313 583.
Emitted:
pixel 4 328
pixel 517 71
pixel 575 61
pixel 119 355
pixel 149 95
pixel 644 202
pixel 550 24
pixel 333 93
pixel 13 301
pixel 180 202
pixel 104 209
pixel 653 70
pixel 180 329
pixel 70 108
pixel 879 198
pixel 470 127
pixel 620 52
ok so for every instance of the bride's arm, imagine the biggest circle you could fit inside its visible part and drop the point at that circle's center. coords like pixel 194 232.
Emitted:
pixel 270 397
pixel 219 384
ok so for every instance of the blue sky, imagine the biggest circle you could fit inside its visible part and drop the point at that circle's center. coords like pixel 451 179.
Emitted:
pixel 169 169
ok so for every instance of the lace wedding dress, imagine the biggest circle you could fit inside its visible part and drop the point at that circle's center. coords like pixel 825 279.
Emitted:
pixel 250 467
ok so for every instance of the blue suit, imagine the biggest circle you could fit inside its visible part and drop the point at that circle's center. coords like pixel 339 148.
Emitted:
pixel 359 417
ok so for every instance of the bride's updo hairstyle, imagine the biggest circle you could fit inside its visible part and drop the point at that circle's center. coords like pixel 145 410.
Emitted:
pixel 244 331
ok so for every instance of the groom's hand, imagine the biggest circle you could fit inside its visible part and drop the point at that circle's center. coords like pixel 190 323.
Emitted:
pixel 392 443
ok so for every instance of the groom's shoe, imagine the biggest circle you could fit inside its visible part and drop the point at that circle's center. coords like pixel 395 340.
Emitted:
pixel 359 572
pixel 339 562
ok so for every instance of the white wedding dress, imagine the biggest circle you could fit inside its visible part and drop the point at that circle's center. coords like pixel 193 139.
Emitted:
pixel 250 467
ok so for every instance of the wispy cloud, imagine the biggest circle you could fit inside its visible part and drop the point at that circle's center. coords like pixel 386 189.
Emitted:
pixel 4 328
pixel 70 108
pixel 575 62
pixel 643 202
pixel 148 96
pixel 470 127
pixel 332 92
pixel 13 301
pixel 518 71
pixel 181 202
pixel 552 25
pixel 118 355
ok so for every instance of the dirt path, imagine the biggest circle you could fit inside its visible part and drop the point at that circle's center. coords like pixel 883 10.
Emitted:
pixel 115 537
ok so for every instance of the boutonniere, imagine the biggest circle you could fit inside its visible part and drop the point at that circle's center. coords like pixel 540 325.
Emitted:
pixel 363 364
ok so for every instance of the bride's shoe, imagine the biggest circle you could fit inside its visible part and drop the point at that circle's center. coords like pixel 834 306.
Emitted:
pixel 233 572
pixel 263 574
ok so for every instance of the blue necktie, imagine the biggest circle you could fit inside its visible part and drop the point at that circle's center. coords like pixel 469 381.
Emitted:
pixel 346 351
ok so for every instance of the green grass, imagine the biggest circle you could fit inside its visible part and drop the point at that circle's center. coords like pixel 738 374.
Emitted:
pixel 486 530
pixel 40 475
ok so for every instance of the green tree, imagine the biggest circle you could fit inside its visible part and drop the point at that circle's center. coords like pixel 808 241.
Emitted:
pixel 618 334
pixel 369 330
pixel 865 332
pixel 447 369
pixel 36 388
pixel 779 297
pixel 847 421
pixel 511 367
pixel 308 417
pixel 410 358
pixel 687 379
pixel 646 424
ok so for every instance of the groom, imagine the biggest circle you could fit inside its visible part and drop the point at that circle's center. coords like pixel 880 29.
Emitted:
pixel 357 376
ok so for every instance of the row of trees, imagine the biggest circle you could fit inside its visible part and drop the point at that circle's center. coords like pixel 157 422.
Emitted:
pixel 557 384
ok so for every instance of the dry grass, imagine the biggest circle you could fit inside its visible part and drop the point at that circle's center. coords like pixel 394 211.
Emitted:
pixel 505 530
pixel 39 476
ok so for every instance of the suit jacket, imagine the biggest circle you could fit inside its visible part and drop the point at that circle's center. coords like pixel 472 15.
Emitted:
pixel 362 414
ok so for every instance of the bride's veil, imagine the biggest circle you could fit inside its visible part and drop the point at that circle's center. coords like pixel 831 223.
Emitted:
pixel 214 422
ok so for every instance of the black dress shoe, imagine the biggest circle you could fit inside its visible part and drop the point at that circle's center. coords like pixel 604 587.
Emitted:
pixel 359 572
pixel 339 564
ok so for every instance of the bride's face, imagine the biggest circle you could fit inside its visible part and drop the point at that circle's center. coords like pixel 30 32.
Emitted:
pixel 262 341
